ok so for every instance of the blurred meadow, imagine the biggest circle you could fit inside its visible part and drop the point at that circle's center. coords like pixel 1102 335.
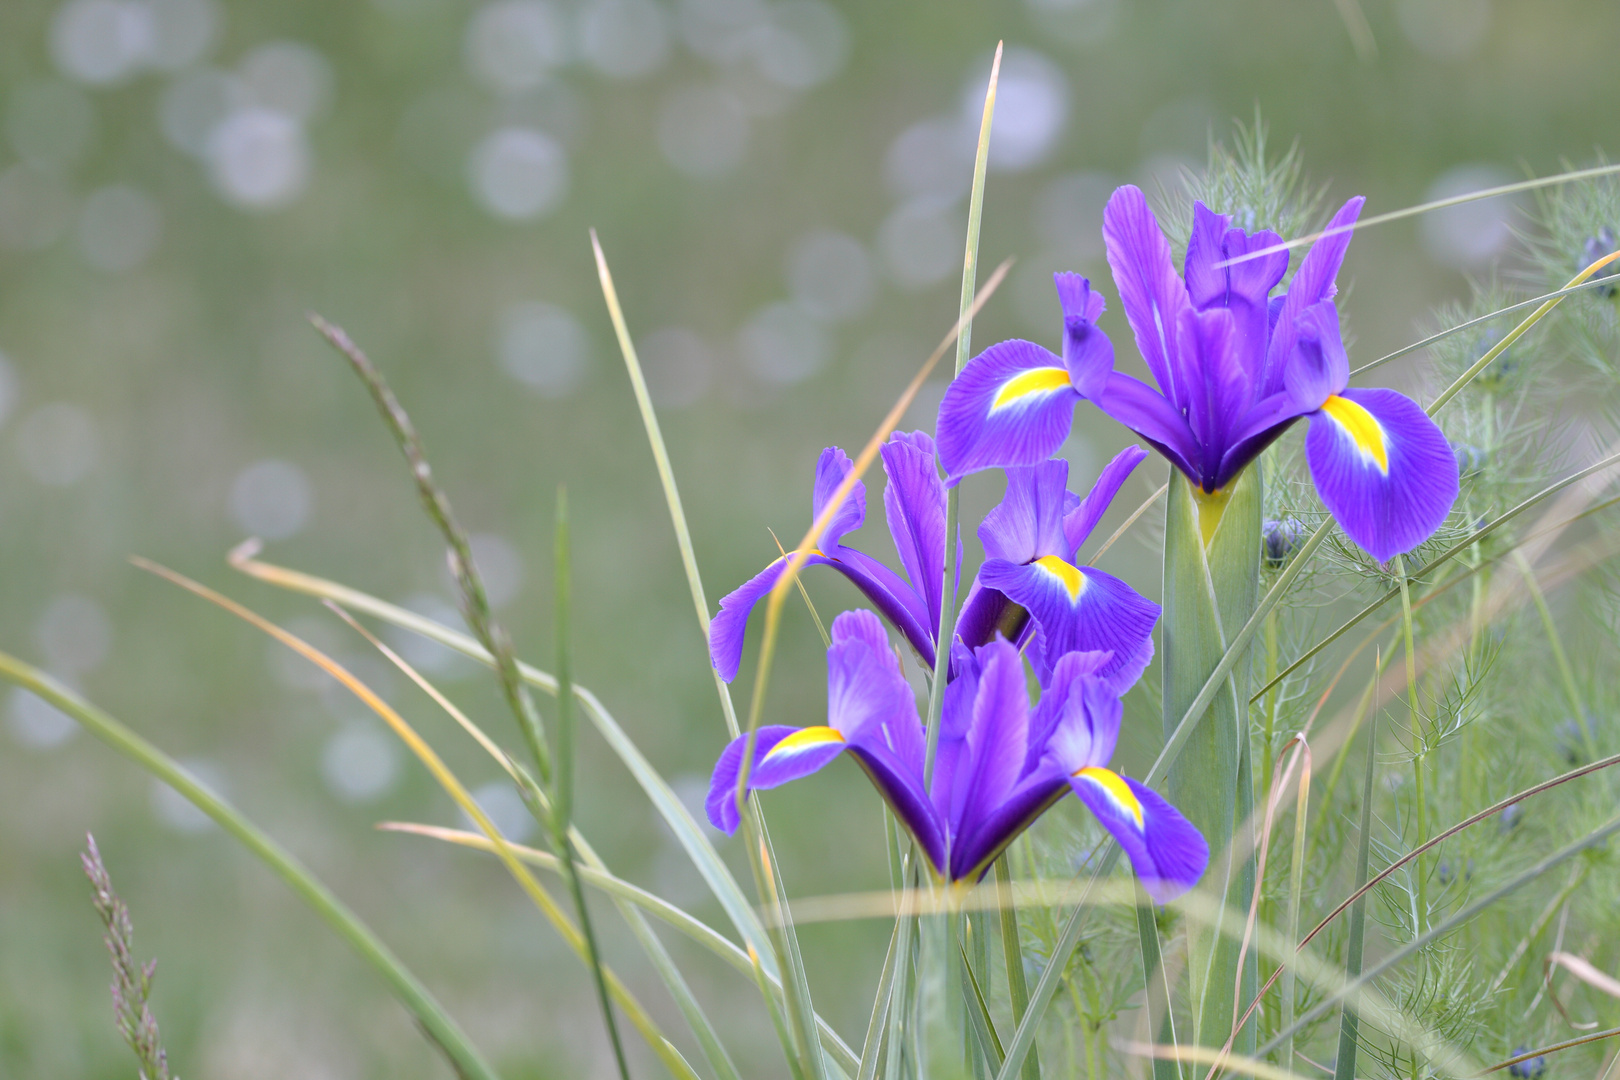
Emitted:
pixel 780 187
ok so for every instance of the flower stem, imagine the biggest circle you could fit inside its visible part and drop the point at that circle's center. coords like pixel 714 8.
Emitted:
pixel 1420 810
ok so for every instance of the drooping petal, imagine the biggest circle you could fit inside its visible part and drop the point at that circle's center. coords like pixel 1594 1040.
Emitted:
pixel 1319 367
pixel 1382 467
pixel 1150 290
pixel 780 754
pixel 831 468
pixel 914 503
pixel 1312 283
pixel 730 624
pixel 1168 854
pixel 1078 522
pixel 1087 352
pixel 1151 415
pixel 1028 522
pixel 956 716
pixel 1012 405
pixel 900 783
pixel 1080 609
pixel 892 595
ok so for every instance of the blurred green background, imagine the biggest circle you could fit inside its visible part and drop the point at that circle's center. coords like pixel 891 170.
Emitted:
pixel 780 188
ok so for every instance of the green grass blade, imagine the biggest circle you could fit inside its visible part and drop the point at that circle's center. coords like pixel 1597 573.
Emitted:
pixel 435 1022
pixel 1158 985
pixel 562 797
pixel 1012 953
pixel 1350 1023
pixel 872 1046
pixel 983 1026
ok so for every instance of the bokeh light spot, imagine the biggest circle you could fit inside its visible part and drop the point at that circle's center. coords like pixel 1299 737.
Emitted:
pixel 259 159
pixel 543 347
pixel 624 39
pixel 519 173
pixel 289 77
pixel 921 242
pixel 512 45
pixel 830 275
pixel 271 499
pixel 74 635
pixel 359 763
pixel 783 344
pixel 119 228
pixel 1472 233
pixel 36 723
pixel 58 443
pixel 177 812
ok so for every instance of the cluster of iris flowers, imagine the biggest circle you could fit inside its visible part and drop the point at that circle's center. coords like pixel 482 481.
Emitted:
pixel 1235 367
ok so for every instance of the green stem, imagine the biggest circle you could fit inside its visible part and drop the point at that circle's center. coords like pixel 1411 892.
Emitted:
pixel 1414 714
pixel 1565 672
pixel 1013 954
pixel 1350 1022
pixel 435 1022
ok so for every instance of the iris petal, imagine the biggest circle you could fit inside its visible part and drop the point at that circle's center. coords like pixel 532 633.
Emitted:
pixel 1150 291
pixel 813 751
pixel 1151 415
pixel 1312 283
pixel 1078 522
pixel 1168 854
pixel 1012 405
pixel 1383 469
pixel 831 468
pixel 1028 522
pixel 914 503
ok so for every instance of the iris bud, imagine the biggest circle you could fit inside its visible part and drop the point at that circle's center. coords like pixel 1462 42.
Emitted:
pixel 1511 816
pixel 1470 458
pixel 1281 537
pixel 1596 247
pixel 1529 1069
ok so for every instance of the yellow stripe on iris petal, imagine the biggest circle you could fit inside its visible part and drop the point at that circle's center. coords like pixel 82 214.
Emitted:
pixel 804 739
pixel 1118 792
pixel 1035 381
pixel 1070 576
pixel 1362 427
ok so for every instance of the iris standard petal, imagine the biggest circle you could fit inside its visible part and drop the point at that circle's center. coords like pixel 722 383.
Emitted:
pixel 865 689
pixel 1087 352
pixel 1079 609
pixel 1028 521
pixel 1265 421
pixel 1319 367
pixel 1151 415
pixel 1218 383
pixel 831 468
pixel 1167 853
pixel 1383 469
pixel 1150 291
pixel 1076 722
pixel 914 503
pixel 729 626
pixel 799 752
pixel 1078 522
pixel 997 737
pixel 1223 270
pixel 1312 283
pixel 1012 405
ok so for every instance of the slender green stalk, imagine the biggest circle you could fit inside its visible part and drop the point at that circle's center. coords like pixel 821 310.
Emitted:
pixel 562 796
pixel 1350 1022
pixel 1565 672
pixel 1579 1040
pixel 1158 1001
pixel 983 1027
pixel 871 1048
pixel 436 1024
pixel 1415 717
pixel 1296 892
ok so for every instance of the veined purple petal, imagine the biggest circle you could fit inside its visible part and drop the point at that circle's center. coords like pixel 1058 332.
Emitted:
pixel 1028 522
pixel 1151 415
pixel 812 752
pixel 1076 723
pixel 1382 467
pixel 1242 287
pixel 972 852
pixel 865 688
pixel 1167 853
pixel 956 716
pixel 996 738
pixel 1264 423
pixel 1080 609
pixel 1087 352
pixel 1312 283
pixel 1078 522
pixel 1012 405
pixel 914 503
pixel 985 613
pixel 1218 387
pixel 1150 291
pixel 1318 367
pixel 831 468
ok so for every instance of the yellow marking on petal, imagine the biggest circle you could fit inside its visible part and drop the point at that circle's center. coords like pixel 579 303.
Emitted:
pixel 1362 427
pixel 1072 578
pixel 1118 792
pixel 804 739
pixel 1211 509
pixel 1035 381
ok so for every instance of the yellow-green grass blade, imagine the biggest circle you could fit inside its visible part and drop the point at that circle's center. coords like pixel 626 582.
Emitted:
pixel 661 1047
pixel 436 1024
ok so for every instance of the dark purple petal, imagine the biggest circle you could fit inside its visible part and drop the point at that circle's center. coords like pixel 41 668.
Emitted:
pixel 1382 467
pixel 831 468
pixel 1087 352
pixel 900 784
pixel 1150 291
pixel 1261 427
pixel 1151 415
pixel 1312 283
pixel 1012 405
pixel 1028 522
pixel 1080 609
pixel 973 852
pixel 1167 853
pixel 730 623
pixel 1078 522
pixel 914 503
pixel 1318 367
pixel 997 738
pixel 721 803
pixel 892 595
pixel 1218 384
pixel 986 613
pixel 1243 287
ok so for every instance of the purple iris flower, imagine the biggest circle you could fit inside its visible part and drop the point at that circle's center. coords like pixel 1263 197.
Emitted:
pixel 913 502
pixel 1031 588
pixel 1000 763
pixel 1235 367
